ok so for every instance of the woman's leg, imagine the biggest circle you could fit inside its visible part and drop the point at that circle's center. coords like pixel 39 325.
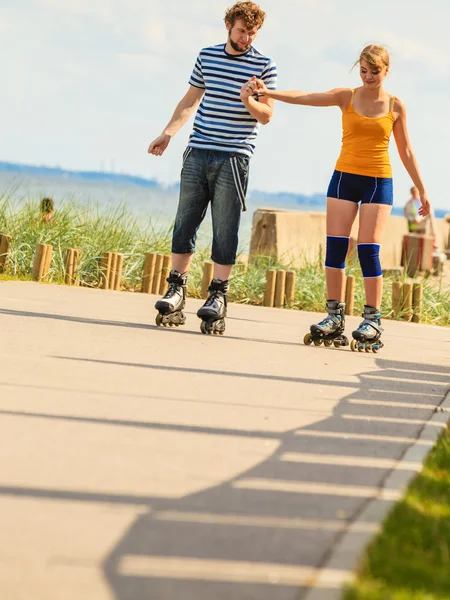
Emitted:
pixel 372 222
pixel 340 217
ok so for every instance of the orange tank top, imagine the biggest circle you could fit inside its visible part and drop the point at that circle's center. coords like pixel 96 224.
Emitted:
pixel 365 143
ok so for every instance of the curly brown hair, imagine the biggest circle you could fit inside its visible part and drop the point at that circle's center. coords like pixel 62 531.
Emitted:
pixel 249 12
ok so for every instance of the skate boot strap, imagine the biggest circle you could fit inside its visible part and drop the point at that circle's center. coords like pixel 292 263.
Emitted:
pixel 332 318
pixel 335 311
pixel 371 323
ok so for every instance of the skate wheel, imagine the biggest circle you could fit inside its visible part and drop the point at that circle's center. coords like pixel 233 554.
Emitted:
pixel 337 344
pixel 171 324
pixel 307 340
pixel 375 349
pixel 216 332
pixel 158 320
pixel 328 343
pixel 205 327
pixel 221 332
pixel 353 345
pixel 360 348
pixel 368 349
pixel 317 342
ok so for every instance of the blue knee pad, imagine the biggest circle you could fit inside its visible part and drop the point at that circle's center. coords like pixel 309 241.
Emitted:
pixel 369 259
pixel 337 248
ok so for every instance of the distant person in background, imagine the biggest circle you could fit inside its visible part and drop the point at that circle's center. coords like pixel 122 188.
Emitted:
pixel 416 222
pixel 47 209
pixel 363 174
pixel 216 162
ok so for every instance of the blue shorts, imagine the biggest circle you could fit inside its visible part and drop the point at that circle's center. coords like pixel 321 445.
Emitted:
pixel 360 188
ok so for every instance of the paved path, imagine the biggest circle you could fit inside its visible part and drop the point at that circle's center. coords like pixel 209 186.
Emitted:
pixel 139 463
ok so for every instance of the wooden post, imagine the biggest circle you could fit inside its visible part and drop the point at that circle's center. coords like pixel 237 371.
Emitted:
pixel 112 271
pixel 164 275
pixel 157 273
pixel 42 261
pixel 208 274
pixel 397 298
pixel 68 265
pixel 71 260
pixel 280 289
pixel 269 292
pixel 48 260
pixel 417 302
pixel 290 287
pixel 407 301
pixel 5 251
pixel 40 248
pixel 149 271
pixel 118 272
pixel 349 295
pixel 105 268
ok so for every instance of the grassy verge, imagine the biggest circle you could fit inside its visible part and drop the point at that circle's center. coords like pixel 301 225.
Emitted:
pixel 116 230
pixel 410 558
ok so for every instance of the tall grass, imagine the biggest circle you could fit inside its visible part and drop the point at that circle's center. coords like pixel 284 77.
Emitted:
pixel 117 230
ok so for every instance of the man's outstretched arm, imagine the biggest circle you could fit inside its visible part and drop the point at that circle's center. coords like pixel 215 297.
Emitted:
pixel 183 111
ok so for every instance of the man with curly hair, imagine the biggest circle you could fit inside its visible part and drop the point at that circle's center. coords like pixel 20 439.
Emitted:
pixel 216 161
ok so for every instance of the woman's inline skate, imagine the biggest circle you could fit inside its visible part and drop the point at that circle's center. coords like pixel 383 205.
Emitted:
pixel 367 336
pixel 214 311
pixel 170 306
pixel 331 329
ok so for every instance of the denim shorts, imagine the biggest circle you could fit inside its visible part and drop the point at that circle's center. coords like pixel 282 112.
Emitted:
pixel 222 179
pixel 360 188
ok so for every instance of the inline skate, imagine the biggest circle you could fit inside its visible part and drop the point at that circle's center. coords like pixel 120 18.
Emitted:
pixel 331 329
pixel 170 306
pixel 214 311
pixel 367 336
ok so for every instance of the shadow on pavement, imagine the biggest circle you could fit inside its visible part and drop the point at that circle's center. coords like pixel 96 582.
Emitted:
pixel 263 534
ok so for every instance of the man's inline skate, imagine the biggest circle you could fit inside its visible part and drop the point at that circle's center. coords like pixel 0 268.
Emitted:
pixel 214 311
pixel 331 329
pixel 367 336
pixel 170 306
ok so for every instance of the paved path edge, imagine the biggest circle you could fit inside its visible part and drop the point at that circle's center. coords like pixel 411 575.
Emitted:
pixel 341 564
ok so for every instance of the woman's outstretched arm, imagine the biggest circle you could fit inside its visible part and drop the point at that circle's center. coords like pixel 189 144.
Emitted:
pixel 337 97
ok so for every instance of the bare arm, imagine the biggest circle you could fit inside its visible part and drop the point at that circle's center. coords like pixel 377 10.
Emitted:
pixel 407 155
pixel 183 111
pixel 261 109
pixel 336 97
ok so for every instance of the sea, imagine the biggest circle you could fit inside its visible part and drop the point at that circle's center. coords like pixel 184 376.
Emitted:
pixel 145 199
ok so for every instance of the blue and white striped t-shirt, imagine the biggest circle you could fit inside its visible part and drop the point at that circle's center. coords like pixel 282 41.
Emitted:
pixel 222 121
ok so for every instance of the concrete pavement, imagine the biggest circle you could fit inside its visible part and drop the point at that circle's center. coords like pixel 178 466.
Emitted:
pixel 142 463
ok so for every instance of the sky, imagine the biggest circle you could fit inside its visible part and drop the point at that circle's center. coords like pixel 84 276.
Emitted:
pixel 87 84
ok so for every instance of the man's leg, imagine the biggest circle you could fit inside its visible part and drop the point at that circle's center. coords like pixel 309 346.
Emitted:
pixel 227 202
pixel 228 183
pixel 192 206
pixel 194 198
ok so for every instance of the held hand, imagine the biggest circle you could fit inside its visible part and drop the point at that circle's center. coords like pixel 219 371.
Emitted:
pixel 158 146
pixel 426 207
pixel 261 87
pixel 248 89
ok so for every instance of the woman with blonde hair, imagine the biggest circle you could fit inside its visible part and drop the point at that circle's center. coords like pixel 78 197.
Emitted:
pixel 363 174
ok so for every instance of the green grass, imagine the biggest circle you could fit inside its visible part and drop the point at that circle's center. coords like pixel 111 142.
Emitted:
pixel 410 558
pixel 94 232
